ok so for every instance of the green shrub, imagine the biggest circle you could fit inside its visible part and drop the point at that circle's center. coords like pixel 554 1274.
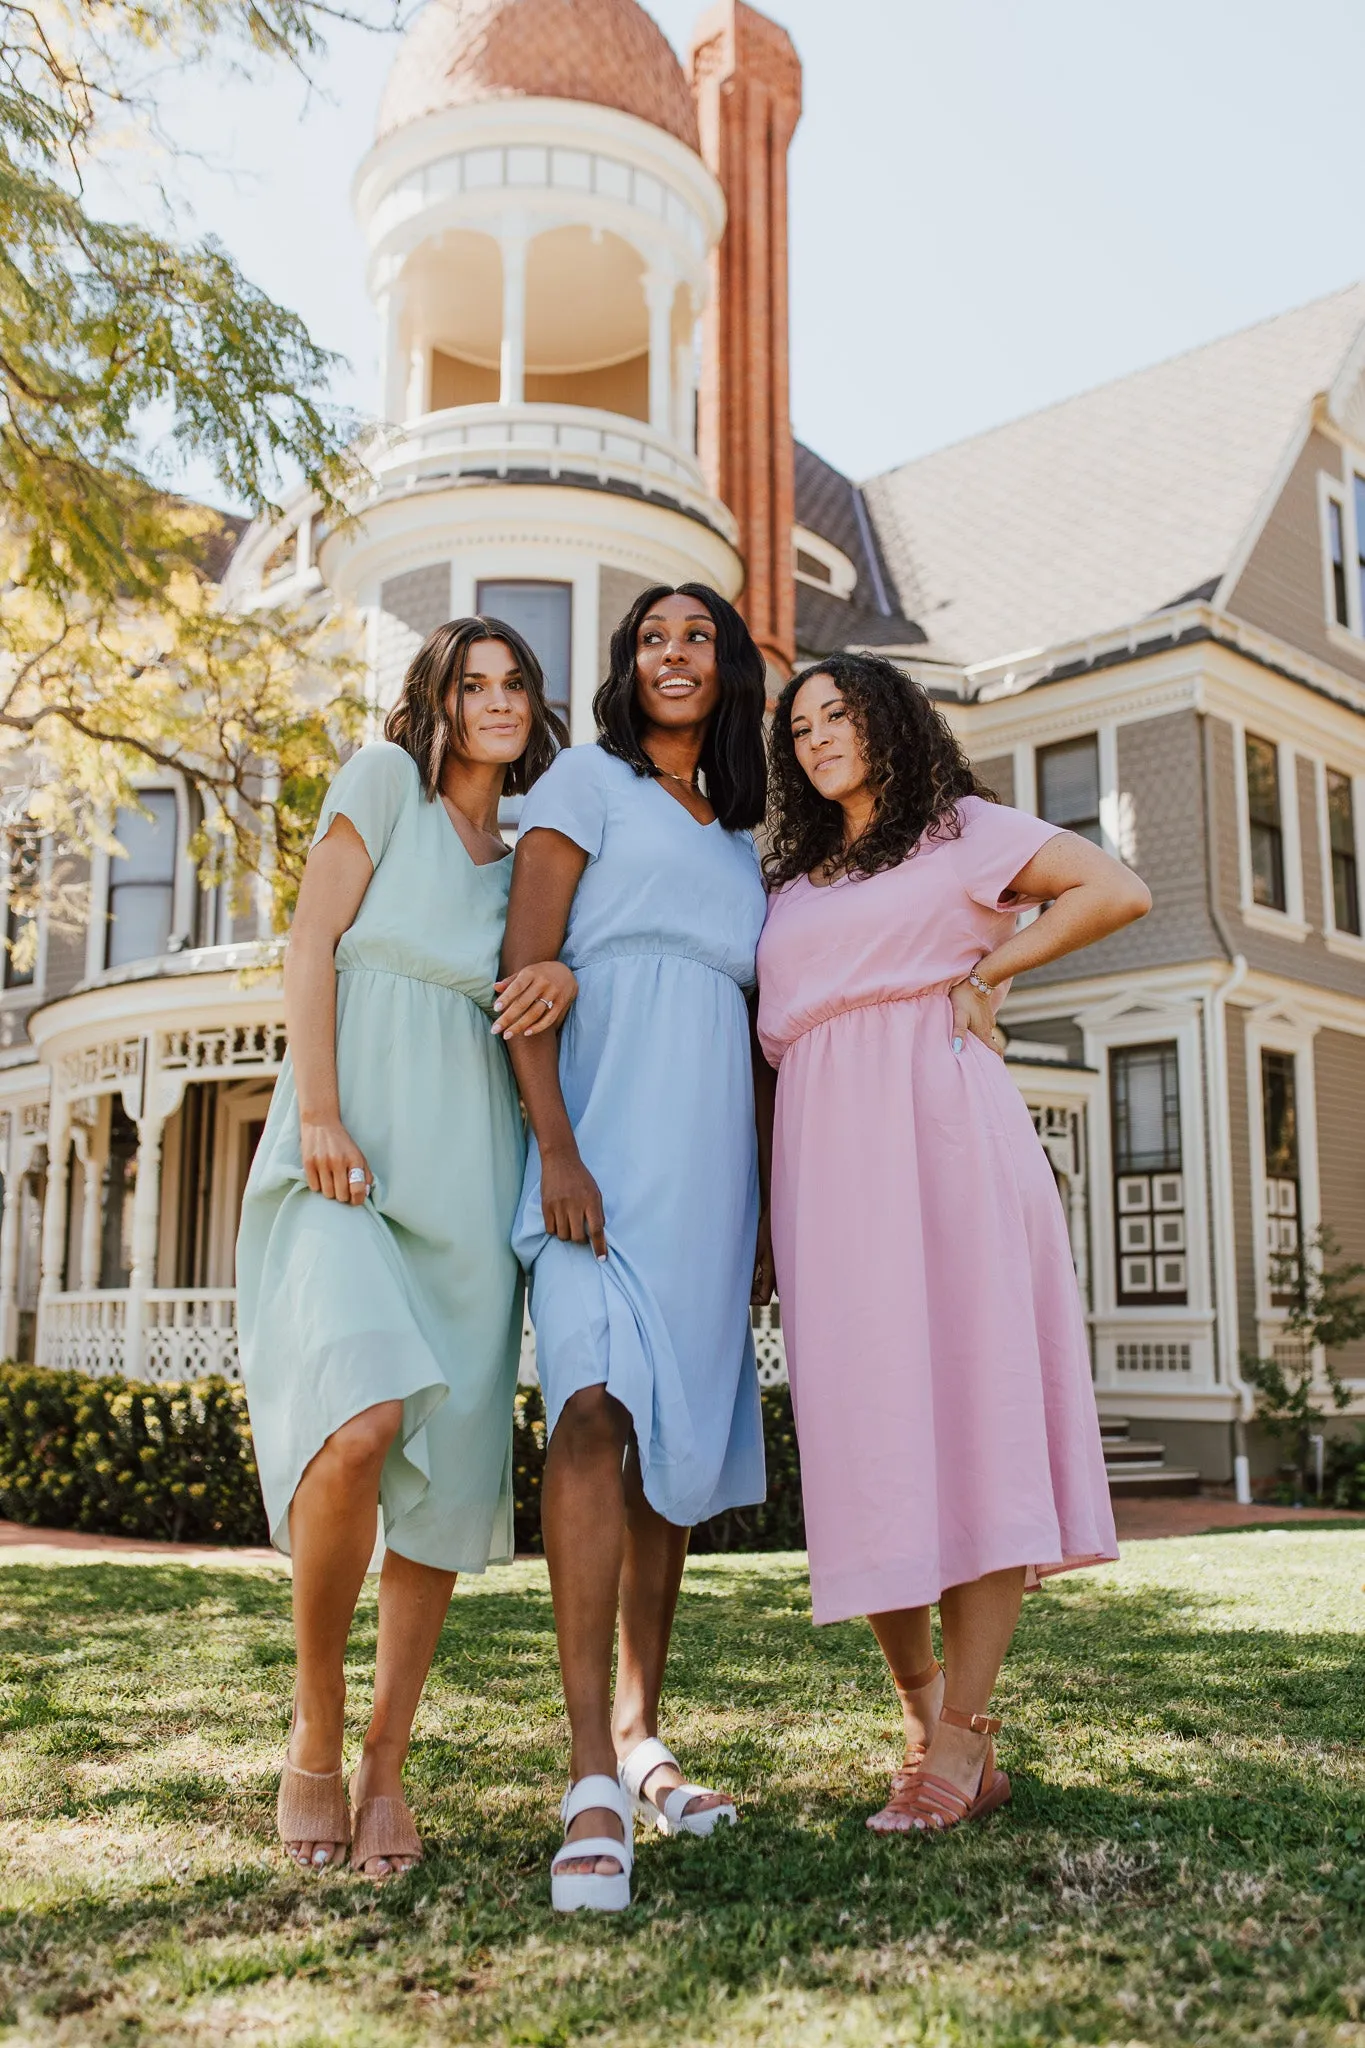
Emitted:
pixel 124 1458
pixel 127 1458
pixel 1343 1479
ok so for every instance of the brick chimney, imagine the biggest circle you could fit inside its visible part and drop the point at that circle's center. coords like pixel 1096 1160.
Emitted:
pixel 746 78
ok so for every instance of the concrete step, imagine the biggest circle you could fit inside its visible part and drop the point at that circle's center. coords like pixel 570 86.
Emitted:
pixel 1129 1450
pixel 1151 1482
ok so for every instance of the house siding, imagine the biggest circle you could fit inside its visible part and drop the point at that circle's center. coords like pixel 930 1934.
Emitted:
pixel 998 776
pixel 617 590
pixel 1161 788
pixel 1339 1084
pixel 1282 586
pixel 410 607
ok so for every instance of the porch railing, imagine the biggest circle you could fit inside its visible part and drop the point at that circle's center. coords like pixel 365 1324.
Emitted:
pixel 186 1333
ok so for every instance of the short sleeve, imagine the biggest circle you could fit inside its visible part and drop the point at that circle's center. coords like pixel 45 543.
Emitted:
pixel 996 843
pixel 371 790
pixel 570 797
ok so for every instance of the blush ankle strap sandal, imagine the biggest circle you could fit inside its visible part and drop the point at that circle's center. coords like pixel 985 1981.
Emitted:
pixel 933 1805
pixel 892 1819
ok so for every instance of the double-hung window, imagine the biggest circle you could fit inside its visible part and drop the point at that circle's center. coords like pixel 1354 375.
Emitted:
pixel 1341 833
pixel 543 615
pixel 142 881
pixel 1149 1180
pixel 1280 1126
pixel 1266 822
pixel 21 916
pixel 1069 786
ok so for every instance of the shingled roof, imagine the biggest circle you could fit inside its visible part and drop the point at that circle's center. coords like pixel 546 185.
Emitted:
pixel 828 503
pixel 1112 505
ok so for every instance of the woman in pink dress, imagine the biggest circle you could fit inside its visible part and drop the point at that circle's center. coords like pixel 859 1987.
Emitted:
pixel 950 1449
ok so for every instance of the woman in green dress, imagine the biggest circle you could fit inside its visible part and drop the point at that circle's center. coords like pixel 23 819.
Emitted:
pixel 379 1301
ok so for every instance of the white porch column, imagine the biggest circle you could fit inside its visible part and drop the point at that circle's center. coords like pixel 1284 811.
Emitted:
pixel 513 358
pixel 54 1208
pixel 9 1250
pixel 393 368
pixel 146 1224
pixel 659 290
pixel 419 380
pixel 89 1153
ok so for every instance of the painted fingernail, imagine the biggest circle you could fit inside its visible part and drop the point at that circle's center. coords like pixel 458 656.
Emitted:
pixel 958 1044
pixel 601 1258
pixel 319 1856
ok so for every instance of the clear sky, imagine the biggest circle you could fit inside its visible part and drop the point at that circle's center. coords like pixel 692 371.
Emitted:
pixel 995 203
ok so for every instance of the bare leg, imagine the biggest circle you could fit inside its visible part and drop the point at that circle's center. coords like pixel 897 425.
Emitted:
pixel 907 1643
pixel 978 1620
pixel 413 1599
pixel 655 1554
pixel 584 1521
pixel 332 1522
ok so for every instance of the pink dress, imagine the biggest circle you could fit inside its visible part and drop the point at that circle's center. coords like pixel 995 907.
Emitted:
pixel 935 1340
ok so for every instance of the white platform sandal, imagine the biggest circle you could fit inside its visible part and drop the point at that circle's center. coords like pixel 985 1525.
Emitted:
pixel 672 1818
pixel 571 1891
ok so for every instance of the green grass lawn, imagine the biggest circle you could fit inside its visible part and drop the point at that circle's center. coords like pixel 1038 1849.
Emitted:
pixel 1183 1862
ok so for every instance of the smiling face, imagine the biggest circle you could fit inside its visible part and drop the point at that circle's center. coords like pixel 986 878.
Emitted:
pixel 490 709
pixel 677 682
pixel 826 743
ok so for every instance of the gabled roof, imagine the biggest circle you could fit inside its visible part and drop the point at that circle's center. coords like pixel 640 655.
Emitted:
pixel 829 503
pixel 1112 505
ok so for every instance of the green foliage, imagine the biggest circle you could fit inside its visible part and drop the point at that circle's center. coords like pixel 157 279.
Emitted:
pixel 125 1458
pixel 1344 1471
pixel 1328 1313
pixel 174 1461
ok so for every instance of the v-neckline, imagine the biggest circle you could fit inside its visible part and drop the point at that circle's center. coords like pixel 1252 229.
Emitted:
pixel 458 836
pixel 701 825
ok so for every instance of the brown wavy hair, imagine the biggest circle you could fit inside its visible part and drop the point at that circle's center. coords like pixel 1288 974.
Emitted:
pixel 418 721
pixel 914 762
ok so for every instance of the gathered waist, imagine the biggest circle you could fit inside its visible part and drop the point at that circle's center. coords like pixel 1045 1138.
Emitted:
pixel 853 1006
pixel 603 956
pixel 450 988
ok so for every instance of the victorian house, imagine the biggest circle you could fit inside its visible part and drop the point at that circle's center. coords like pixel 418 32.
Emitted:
pixel 1143 610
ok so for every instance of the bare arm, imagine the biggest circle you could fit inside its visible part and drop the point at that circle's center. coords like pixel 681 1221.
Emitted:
pixel 332 891
pixel 548 868
pixel 1088 894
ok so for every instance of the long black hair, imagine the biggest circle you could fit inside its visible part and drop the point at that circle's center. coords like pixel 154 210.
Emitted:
pixel 732 754
pixel 419 722
pixel 914 763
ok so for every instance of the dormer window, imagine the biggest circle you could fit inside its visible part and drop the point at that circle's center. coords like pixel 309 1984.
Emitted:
pixel 818 562
pixel 1342 504
pixel 1336 552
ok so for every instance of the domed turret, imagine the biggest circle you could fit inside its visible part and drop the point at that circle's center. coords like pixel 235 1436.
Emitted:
pixel 605 52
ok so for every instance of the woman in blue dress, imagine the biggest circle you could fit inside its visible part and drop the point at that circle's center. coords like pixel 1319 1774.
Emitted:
pixel 639 1220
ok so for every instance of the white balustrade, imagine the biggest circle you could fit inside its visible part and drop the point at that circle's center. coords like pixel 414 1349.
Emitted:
pixel 187 1332
pixel 557 441
pixel 84 1332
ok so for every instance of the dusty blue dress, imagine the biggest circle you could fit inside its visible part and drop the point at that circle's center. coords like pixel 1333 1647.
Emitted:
pixel 655 1067
pixel 413 1295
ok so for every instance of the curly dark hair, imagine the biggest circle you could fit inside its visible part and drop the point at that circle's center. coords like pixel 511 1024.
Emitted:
pixel 732 758
pixel 914 762
pixel 418 721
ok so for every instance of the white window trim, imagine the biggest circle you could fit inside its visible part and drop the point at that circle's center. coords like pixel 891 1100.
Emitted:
pixel 1278 1033
pixel 843 577
pixel 1100 1039
pixel 184 886
pixel 1290 922
pixel 1350 945
pixel 1333 491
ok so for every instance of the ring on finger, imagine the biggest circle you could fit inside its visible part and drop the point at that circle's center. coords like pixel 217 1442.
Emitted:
pixel 549 1003
pixel 357 1176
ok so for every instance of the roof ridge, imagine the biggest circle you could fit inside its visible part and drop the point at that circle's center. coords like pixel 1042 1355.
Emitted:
pixel 1126 377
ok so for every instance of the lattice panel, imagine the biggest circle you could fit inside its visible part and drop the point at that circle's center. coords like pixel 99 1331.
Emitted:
pixel 84 1333
pixel 33 1120
pixel 224 1049
pixel 1143 1357
pixel 188 1336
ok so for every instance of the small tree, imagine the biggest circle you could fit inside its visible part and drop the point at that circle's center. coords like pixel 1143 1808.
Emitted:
pixel 1327 1313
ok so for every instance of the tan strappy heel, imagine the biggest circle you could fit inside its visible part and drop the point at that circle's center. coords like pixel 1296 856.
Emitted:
pixel 311 1807
pixel 933 1805
pixel 383 1828
pixel 891 1819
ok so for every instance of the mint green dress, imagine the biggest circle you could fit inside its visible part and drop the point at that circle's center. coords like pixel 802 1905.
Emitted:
pixel 415 1295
